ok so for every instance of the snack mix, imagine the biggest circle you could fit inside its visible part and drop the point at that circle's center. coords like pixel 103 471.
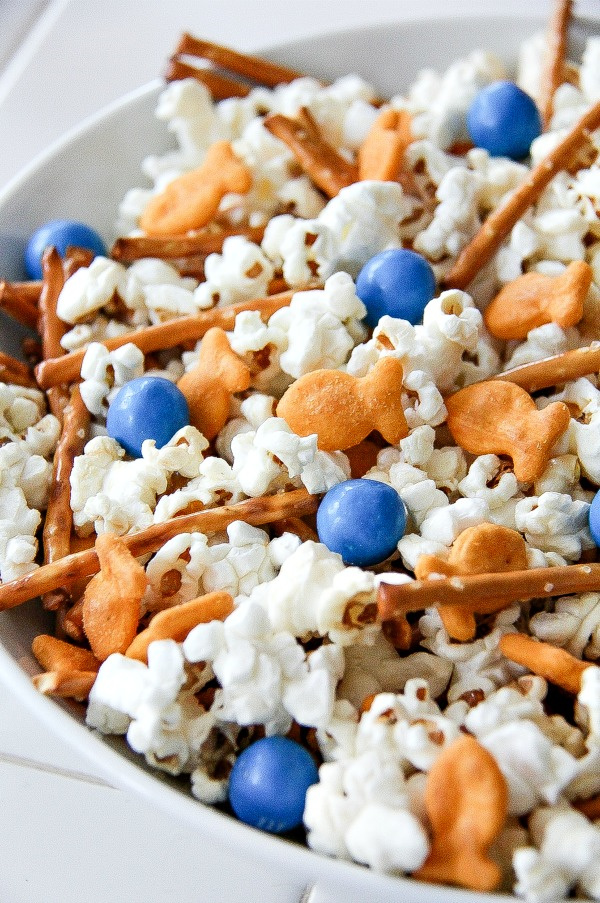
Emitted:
pixel 306 465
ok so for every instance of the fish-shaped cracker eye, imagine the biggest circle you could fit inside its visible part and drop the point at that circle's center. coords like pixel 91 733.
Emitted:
pixel 342 409
pixel 502 418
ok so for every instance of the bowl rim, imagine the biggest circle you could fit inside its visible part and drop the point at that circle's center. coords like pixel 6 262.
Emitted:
pixel 120 771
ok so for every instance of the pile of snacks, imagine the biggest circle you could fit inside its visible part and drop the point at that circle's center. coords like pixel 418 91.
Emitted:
pixel 313 456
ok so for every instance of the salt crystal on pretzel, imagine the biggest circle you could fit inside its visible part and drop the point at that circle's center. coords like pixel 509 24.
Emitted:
pixel 343 409
pixel 320 161
pixel 535 299
pixel 175 623
pixel 500 222
pixel 68 570
pixel 191 200
pixel 555 57
pixel 550 662
pixel 501 418
pixel 482 549
pixel 209 385
pixel 161 336
pixel 486 593
pixel 112 599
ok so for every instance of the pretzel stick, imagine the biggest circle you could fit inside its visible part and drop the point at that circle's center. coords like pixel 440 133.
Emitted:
pixel 19 300
pixel 15 372
pixel 205 242
pixel 68 570
pixel 59 515
pixel 320 161
pixel 251 67
pixel 590 808
pixel 67 684
pixel 556 51
pixel 499 223
pixel 219 85
pixel 486 593
pixel 557 665
pixel 50 327
pixel 162 335
pixel 555 370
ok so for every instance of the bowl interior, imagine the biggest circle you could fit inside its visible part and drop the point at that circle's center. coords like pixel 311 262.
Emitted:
pixel 85 176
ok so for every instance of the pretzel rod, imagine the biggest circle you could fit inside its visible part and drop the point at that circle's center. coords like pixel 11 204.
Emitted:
pixel 219 85
pixel 499 223
pixel 555 370
pixel 205 242
pixel 556 665
pixel 19 300
pixel 15 372
pixel 251 67
pixel 75 258
pixel 486 593
pixel 556 51
pixel 320 161
pixel 59 516
pixel 51 328
pixel 66 571
pixel 161 336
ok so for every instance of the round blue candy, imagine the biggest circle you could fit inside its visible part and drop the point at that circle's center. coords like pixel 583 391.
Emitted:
pixel 594 518
pixel 362 520
pixel 268 784
pixel 397 282
pixel 148 407
pixel 504 120
pixel 62 233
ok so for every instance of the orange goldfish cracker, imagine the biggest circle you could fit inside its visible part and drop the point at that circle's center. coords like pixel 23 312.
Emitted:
pixel 482 549
pixel 66 684
pixel 175 623
pixel 58 655
pixel 499 223
pixel 534 299
pixel 111 602
pixel 555 61
pixel 486 593
pixel 161 336
pixel 381 153
pixel 343 409
pixel 466 799
pixel 209 385
pixel 191 200
pixel 556 665
pixel 495 417
pixel 321 162
pixel 68 570
pixel 555 370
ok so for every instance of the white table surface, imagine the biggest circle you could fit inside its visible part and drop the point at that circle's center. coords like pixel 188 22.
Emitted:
pixel 67 836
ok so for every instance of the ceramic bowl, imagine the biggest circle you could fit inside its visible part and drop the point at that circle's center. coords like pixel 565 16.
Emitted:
pixel 84 176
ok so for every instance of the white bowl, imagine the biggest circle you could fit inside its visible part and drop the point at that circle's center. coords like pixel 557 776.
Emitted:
pixel 84 176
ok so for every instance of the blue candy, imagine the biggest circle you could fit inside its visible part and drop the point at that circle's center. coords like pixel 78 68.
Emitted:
pixel 504 120
pixel 594 518
pixel 148 407
pixel 62 233
pixel 362 520
pixel 397 282
pixel 268 784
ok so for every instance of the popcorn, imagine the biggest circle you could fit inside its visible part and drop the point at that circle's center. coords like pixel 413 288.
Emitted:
pixel 241 271
pixel 89 289
pixel 126 363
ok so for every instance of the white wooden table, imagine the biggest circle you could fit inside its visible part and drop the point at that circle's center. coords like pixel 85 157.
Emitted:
pixel 67 836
